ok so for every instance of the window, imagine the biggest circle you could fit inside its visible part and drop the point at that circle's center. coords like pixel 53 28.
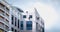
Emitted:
pixel 37 18
pixel 24 16
pixel 29 25
pixel 30 16
pixel 42 29
pixel 12 19
pixel 12 29
pixel 18 23
pixel 36 26
pixel 5 31
pixel 15 21
pixel 21 25
pixel 15 30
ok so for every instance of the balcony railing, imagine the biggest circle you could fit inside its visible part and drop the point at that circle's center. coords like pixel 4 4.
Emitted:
pixel 1 7
pixel 7 16
pixel 1 26
pixel 4 27
pixel 4 9
pixel 2 20
pixel 7 11
pixel 4 15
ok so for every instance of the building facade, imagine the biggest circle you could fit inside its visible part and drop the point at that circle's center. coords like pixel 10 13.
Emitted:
pixel 10 17
pixel 32 22
pixel 15 17
pixel 4 16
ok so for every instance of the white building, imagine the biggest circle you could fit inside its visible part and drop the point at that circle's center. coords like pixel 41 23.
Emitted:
pixel 15 19
pixel 32 22
pixel 10 17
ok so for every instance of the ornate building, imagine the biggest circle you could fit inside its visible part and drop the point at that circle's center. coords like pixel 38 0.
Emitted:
pixel 32 22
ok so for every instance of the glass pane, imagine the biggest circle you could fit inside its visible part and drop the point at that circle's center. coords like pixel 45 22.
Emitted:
pixel 29 25
pixel 21 26
pixel 24 16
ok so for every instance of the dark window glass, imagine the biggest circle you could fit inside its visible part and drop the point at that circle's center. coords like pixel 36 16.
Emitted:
pixel 18 23
pixel 37 18
pixel 12 29
pixel 36 26
pixel 15 21
pixel 15 30
pixel 24 16
pixel 30 16
pixel 12 19
pixel 21 25
pixel 42 29
pixel 29 25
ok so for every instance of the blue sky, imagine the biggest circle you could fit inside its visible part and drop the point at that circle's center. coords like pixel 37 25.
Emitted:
pixel 49 11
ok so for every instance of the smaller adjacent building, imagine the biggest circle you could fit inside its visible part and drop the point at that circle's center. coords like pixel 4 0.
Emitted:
pixel 32 22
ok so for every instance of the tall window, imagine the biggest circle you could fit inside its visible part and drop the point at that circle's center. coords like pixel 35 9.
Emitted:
pixel 18 23
pixel 30 16
pixel 42 29
pixel 24 16
pixel 21 26
pixel 12 19
pixel 37 18
pixel 29 25
pixel 12 29
pixel 36 26
pixel 15 30
pixel 15 21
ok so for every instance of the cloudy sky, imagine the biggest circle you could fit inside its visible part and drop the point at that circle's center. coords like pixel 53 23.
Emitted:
pixel 49 10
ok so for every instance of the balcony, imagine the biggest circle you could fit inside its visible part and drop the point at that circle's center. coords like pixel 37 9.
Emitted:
pixel 5 9
pixel 4 15
pixel 4 27
pixel 1 7
pixel 1 13
pixel 4 21
pixel 7 15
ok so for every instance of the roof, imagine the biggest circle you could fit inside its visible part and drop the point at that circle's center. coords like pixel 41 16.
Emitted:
pixel 20 10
